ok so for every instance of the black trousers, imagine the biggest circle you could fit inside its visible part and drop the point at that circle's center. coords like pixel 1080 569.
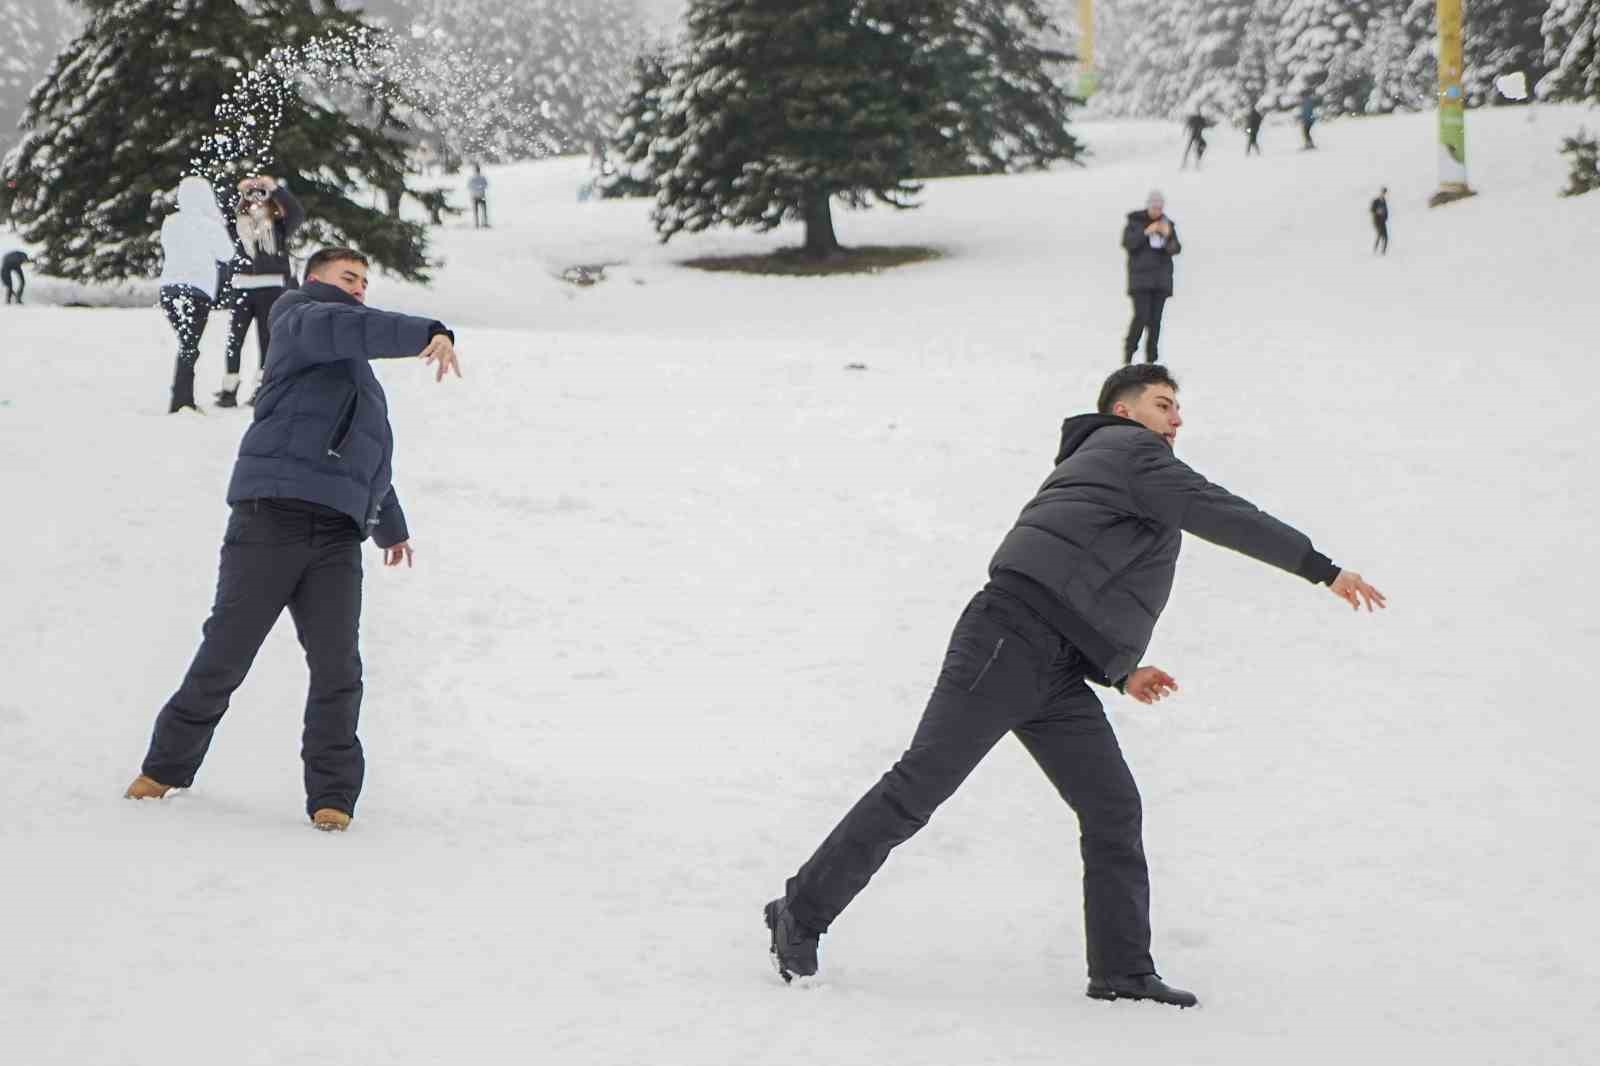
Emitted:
pixel 1007 671
pixel 1147 308
pixel 277 554
pixel 480 213
pixel 186 309
pixel 14 276
pixel 1381 241
pixel 253 306
pixel 1197 145
pixel 1252 145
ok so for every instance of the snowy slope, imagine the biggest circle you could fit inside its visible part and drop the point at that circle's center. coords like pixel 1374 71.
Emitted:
pixel 683 584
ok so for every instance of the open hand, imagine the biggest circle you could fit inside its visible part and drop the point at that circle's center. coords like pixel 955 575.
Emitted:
pixel 400 553
pixel 440 350
pixel 1350 588
pixel 1150 684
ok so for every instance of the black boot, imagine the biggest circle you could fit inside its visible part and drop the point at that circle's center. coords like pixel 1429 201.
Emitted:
pixel 1141 986
pixel 228 397
pixel 182 389
pixel 794 947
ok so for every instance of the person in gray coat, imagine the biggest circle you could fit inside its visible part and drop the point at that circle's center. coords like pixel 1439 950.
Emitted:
pixel 1073 597
pixel 313 480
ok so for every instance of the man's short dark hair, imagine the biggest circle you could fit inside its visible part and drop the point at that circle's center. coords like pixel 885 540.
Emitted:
pixel 1129 383
pixel 334 255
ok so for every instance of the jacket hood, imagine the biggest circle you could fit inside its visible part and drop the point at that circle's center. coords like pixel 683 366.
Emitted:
pixel 1076 430
pixel 195 197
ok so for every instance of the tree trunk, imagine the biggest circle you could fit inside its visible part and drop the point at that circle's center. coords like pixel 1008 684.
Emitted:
pixel 820 239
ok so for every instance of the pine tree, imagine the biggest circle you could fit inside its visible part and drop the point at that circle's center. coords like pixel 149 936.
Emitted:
pixel 1258 73
pixel 129 107
pixel 1390 51
pixel 31 32
pixel 628 169
pixel 1501 37
pixel 567 61
pixel 1007 65
pixel 1572 48
pixel 1212 57
pixel 787 104
pixel 1322 48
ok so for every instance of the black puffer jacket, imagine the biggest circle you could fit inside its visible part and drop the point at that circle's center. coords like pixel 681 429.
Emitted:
pixel 1097 548
pixel 1149 269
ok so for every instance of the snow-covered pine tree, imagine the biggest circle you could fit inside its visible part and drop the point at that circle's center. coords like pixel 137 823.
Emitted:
pixel 1137 56
pixel 1321 45
pixel 1572 48
pixel 628 169
pixel 1258 73
pixel 1501 37
pixel 567 60
pixel 31 32
pixel 787 104
pixel 1007 67
pixel 129 106
pixel 1390 49
pixel 1211 56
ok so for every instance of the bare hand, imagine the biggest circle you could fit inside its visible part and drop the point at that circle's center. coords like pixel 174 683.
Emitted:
pixel 400 553
pixel 1150 684
pixel 440 349
pixel 1350 588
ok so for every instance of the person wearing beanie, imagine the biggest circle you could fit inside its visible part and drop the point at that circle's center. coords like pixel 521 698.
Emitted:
pixel 1151 240
pixel 312 481
pixel 194 242
pixel 1074 594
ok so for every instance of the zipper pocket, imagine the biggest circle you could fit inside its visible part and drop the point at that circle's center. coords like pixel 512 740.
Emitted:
pixel 343 426
pixel 984 672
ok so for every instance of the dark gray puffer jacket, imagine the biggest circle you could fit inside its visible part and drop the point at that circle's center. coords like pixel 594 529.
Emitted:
pixel 1097 548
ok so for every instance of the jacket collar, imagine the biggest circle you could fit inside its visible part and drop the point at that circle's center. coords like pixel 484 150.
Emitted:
pixel 324 293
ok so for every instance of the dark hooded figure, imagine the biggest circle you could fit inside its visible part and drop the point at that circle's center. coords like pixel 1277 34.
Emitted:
pixel 11 273
pixel 1073 598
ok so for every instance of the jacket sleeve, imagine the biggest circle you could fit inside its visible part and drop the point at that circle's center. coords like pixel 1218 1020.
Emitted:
pixel 1173 245
pixel 1132 236
pixel 293 213
pixel 222 249
pixel 332 333
pixel 1169 491
pixel 391 526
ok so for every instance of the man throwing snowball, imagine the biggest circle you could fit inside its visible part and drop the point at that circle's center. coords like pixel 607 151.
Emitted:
pixel 1073 596
pixel 312 482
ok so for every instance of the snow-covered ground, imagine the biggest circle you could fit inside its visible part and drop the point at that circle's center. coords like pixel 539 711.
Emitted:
pixel 684 581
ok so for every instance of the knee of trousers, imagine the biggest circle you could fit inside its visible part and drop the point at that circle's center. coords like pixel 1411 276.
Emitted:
pixel 1115 818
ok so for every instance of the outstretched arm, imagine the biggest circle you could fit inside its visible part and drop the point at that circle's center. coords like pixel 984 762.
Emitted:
pixel 332 332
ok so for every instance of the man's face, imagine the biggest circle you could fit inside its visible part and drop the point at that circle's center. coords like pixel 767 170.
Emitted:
pixel 1155 207
pixel 346 274
pixel 1156 409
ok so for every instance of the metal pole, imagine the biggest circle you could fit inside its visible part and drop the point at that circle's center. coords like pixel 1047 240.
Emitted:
pixel 1088 77
pixel 1452 109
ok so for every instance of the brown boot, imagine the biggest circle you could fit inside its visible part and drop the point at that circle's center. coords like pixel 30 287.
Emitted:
pixel 147 788
pixel 330 820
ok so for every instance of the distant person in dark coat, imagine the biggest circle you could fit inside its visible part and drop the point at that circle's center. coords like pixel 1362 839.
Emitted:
pixel 478 190
pixel 1252 128
pixel 1151 240
pixel 1380 221
pixel 1308 118
pixel 1074 594
pixel 311 483
pixel 1196 125
pixel 266 221
pixel 11 272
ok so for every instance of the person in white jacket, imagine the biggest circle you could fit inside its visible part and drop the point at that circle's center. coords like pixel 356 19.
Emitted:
pixel 193 242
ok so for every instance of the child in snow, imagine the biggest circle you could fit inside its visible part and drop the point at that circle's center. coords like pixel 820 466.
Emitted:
pixel 11 273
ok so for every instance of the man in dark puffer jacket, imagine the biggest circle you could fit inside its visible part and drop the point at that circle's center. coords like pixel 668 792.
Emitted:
pixel 311 483
pixel 1073 596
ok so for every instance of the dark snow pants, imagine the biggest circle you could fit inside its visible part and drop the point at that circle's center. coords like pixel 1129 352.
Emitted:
pixel 277 554
pixel 1253 144
pixel 186 309
pixel 253 306
pixel 13 275
pixel 1381 241
pixel 1147 308
pixel 1007 671
pixel 480 213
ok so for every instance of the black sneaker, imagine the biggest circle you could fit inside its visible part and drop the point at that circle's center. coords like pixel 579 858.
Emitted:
pixel 228 397
pixel 794 947
pixel 1141 986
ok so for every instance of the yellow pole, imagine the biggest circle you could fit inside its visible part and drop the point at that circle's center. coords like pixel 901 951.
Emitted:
pixel 1088 77
pixel 1452 108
